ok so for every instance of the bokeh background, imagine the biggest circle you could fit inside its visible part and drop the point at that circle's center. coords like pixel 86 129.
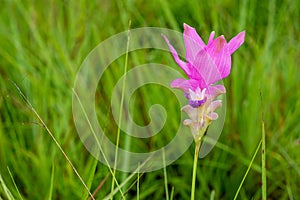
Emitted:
pixel 42 45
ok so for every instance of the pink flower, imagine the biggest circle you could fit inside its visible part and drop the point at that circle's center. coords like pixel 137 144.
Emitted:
pixel 205 64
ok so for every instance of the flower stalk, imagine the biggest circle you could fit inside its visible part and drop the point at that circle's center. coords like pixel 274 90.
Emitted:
pixel 205 65
pixel 196 157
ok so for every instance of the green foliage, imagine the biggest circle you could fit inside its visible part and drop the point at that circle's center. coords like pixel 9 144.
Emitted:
pixel 43 44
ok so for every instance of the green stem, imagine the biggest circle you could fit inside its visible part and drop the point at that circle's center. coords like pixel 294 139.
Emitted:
pixel 121 112
pixel 249 167
pixel 263 152
pixel 197 147
pixel 263 161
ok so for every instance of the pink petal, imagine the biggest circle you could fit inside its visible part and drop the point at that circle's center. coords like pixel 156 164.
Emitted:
pixel 213 116
pixel 182 64
pixel 216 90
pixel 211 38
pixel 214 105
pixel 206 68
pixel 236 42
pixel 219 53
pixel 193 72
pixel 185 85
pixel 191 112
pixel 194 126
pixel 192 41
pixel 187 122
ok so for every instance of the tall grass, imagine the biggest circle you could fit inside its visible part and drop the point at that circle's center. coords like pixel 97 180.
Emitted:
pixel 42 46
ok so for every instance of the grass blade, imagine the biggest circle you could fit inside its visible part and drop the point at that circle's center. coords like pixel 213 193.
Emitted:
pixel 6 190
pixel 14 183
pixel 51 182
pixel 212 195
pixel 172 193
pixel 249 167
pixel 53 138
pixel 98 142
pixel 121 108
pixel 263 154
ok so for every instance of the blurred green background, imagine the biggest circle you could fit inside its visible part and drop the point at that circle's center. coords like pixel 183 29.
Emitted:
pixel 42 45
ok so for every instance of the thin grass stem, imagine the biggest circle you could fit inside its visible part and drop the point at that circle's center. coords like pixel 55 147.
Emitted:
pixel 263 154
pixel 51 181
pixel 249 167
pixel 12 178
pixel 128 178
pixel 172 193
pixel 121 108
pixel 54 139
pixel 98 142
pixel 6 190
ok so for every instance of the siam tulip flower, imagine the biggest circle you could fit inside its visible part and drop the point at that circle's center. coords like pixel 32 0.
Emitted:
pixel 204 66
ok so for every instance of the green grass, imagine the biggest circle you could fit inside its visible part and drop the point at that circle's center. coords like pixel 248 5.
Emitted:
pixel 42 45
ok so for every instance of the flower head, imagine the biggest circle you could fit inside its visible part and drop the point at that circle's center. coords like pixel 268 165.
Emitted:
pixel 205 65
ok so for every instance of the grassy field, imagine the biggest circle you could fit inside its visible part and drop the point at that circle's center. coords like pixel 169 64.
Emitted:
pixel 42 45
